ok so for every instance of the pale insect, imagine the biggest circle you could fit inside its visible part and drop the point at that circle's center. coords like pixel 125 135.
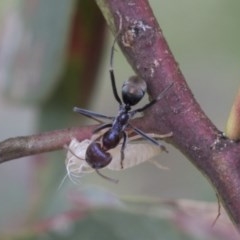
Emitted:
pixel 136 152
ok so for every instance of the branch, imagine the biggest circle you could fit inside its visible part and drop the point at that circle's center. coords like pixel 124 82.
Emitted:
pixel 143 44
pixel 17 147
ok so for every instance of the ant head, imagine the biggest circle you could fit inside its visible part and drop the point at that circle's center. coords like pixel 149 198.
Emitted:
pixel 133 90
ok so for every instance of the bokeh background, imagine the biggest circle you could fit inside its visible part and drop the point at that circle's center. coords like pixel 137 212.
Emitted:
pixel 40 66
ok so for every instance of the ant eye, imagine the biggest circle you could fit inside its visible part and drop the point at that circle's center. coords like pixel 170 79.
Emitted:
pixel 133 90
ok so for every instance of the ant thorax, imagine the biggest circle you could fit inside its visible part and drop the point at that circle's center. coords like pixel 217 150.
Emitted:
pixel 122 118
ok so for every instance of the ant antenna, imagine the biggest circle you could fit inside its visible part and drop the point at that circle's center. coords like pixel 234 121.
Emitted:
pixel 112 51
pixel 111 71
pixel 115 39
pixel 106 177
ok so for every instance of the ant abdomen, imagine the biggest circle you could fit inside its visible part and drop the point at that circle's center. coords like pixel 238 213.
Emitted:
pixel 96 157
pixel 133 90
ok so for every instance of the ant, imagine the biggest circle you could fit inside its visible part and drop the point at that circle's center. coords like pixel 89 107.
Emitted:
pixel 133 90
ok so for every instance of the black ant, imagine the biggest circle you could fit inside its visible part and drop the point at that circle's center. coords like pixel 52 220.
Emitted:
pixel 133 90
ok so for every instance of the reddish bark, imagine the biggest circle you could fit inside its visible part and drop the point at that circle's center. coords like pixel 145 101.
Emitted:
pixel 143 44
pixel 146 49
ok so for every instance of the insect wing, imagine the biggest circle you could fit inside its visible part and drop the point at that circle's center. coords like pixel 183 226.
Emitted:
pixel 135 153
pixel 75 160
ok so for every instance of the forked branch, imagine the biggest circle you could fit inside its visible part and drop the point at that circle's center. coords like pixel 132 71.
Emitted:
pixel 146 49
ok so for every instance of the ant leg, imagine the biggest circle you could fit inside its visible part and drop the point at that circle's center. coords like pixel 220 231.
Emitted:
pixel 150 139
pixel 153 135
pixel 160 96
pixel 144 107
pixel 101 127
pixel 91 114
pixel 106 177
pixel 123 148
pixel 111 72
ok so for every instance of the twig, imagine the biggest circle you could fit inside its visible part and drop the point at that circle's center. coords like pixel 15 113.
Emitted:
pixel 17 147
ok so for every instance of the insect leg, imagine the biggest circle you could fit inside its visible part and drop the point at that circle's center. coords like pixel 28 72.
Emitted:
pixel 160 96
pixel 91 114
pixel 123 147
pixel 106 177
pixel 150 139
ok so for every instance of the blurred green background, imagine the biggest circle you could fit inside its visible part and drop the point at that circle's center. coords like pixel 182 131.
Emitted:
pixel 39 73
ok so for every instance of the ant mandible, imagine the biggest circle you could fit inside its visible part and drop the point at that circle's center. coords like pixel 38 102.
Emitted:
pixel 133 90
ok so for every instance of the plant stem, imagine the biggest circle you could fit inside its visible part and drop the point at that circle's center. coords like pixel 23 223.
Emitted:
pixel 143 44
